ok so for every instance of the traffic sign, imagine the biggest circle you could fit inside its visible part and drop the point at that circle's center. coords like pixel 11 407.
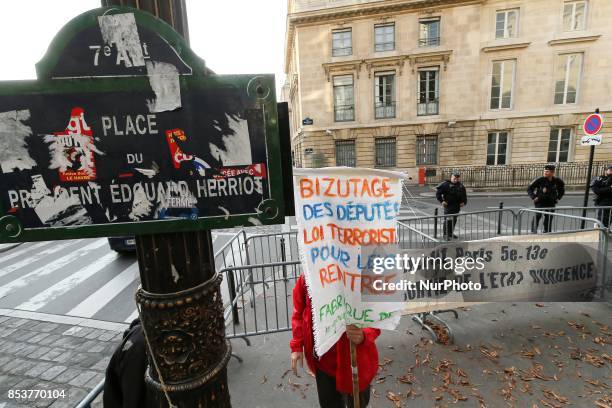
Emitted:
pixel 591 127
pixel 124 133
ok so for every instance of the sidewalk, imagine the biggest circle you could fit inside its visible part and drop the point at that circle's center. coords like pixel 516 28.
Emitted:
pixel 504 355
pixel 48 352
pixel 522 355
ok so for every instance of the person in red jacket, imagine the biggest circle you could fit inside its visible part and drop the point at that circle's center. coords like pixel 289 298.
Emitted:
pixel 332 370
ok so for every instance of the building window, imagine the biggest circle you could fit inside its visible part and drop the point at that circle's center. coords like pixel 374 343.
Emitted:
pixel 428 90
pixel 429 32
pixel 345 153
pixel 497 148
pixel 385 151
pixel 344 102
pixel 559 145
pixel 502 83
pixel 342 42
pixel 567 78
pixel 506 23
pixel 384 96
pixel 384 37
pixel 574 15
pixel 426 150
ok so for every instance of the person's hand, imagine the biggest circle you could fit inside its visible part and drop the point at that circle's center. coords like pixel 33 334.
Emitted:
pixel 444 204
pixel 297 357
pixel 355 334
pixel 462 205
pixel 535 200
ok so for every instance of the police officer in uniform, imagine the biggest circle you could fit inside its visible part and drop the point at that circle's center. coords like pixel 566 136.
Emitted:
pixel 602 187
pixel 452 195
pixel 545 191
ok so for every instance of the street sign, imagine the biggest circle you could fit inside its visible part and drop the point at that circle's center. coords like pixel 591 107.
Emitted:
pixel 124 133
pixel 591 127
pixel 307 122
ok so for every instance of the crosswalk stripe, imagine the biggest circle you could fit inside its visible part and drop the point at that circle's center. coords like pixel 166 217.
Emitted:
pixel 68 283
pixel 49 268
pixel 34 258
pixel 106 293
pixel 131 317
pixel 15 254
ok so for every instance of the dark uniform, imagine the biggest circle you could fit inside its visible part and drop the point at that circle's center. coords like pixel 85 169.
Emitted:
pixel 546 194
pixel 124 385
pixel 602 187
pixel 454 195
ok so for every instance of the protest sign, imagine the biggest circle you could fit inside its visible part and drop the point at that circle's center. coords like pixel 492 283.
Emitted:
pixel 339 211
pixel 530 268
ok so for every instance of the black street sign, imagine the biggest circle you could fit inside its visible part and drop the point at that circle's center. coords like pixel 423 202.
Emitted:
pixel 124 134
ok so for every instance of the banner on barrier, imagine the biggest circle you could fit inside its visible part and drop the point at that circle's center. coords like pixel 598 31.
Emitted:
pixel 530 268
pixel 339 212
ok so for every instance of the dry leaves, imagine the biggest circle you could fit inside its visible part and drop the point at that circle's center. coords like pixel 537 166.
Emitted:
pixel 442 334
pixel 395 398
pixel 551 395
pixel 492 355
pixel 407 379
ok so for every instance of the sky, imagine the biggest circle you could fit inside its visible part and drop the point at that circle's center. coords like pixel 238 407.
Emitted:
pixel 232 36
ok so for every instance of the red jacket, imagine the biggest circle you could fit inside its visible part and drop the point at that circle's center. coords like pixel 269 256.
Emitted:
pixel 337 361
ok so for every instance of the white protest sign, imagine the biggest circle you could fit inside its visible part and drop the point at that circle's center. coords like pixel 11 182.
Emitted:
pixel 339 210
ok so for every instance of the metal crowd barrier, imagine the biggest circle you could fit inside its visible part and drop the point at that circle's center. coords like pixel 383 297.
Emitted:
pixel 260 270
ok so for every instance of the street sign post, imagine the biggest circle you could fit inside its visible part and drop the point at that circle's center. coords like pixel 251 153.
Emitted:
pixel 123 133
pixel 126 132
pixel 591 127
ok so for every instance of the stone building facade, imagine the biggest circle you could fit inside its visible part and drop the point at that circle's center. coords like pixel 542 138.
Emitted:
pixel 405 84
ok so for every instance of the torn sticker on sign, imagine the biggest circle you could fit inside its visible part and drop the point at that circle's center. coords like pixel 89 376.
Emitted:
pixel 236 148
pixel 72 150
pixel 141 206
pixel 13 147
pixel 164 80
pixel 57 208
pixel 121 31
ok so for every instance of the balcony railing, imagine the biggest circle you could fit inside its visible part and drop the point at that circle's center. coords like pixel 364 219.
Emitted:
pixel 429 42
pixel 384 110
pixel 342 52
pixel 344 113
pixel 428 108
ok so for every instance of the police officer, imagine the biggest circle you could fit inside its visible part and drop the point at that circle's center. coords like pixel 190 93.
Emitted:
pixel 545 191
pixel 452 195
pixel 602 187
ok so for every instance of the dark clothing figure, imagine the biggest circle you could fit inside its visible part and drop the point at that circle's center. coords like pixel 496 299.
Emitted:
pixel 124 385
pixel 602 188
pixel 329 397
pixel 545 193
pixel 454 195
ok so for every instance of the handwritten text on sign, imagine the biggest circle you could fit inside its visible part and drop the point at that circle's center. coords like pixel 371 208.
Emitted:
pixel 340 211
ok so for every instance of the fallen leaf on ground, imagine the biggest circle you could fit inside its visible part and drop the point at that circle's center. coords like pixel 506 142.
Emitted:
pixel 550 394
pixel 264 380
pixel 490 354
pixel 407 379
pixel 397 401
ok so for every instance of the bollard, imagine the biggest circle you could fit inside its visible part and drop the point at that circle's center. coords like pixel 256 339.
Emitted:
pixel 436 223
pixel 499 218
pixel 283 257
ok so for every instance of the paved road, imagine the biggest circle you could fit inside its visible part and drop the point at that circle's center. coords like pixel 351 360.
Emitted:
pixel 82 278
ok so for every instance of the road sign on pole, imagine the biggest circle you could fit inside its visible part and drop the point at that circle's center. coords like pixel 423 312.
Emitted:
pixel 591 127
pixel 125 133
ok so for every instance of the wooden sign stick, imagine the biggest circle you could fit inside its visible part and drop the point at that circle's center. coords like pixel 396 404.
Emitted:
pixel 356 402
